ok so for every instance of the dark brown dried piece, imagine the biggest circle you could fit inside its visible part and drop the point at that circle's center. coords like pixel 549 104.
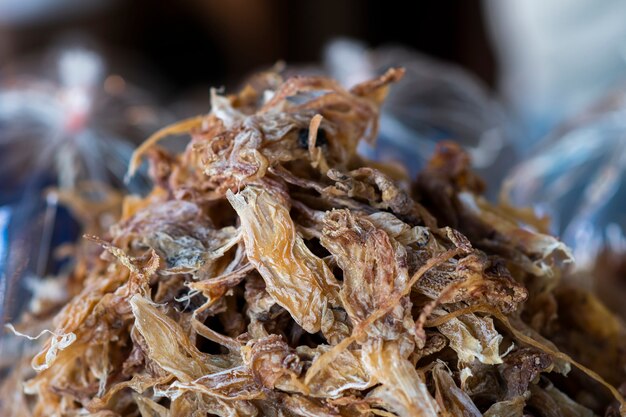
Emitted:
pixel 521 368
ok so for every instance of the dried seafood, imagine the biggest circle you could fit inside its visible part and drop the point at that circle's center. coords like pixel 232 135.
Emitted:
pixel 273 272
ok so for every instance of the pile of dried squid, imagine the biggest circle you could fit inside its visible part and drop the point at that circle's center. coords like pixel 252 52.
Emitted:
pixel 272 271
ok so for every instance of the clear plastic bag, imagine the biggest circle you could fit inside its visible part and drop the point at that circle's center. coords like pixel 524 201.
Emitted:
pixel 577 176
pixel 65 136
pixel 434 101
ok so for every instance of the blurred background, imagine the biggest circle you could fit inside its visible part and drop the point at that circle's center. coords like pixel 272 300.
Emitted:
pixel 190 43
pixel 533 89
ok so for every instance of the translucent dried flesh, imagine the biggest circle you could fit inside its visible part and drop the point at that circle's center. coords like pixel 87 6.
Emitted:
pixel 274 272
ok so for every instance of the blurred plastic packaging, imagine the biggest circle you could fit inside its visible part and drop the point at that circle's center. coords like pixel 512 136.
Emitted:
pixel 556 58
pixel 433 102
pixel 577 176
pixel 66 133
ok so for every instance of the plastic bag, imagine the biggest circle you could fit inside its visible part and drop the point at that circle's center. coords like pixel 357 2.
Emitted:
pixel 576 175
pixel 434 101
pixel 65 136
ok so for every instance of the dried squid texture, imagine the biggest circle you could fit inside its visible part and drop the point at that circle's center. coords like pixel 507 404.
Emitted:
pixel 346 372
pixel 399 230
pixel 272 362
pixel 473 337
pixel 509 408
pixel 379 190
pixel 149 408
pixel 521 368
pixel 234 384
pixel 473 279
pixel 168 344
pixel 450 397
pixel 452 192
pixel 537 251
pixel 99 317
pixel 298 280
pixel 239 146
pixel 374 270
pixel 179 232
pixel 402 389
pixel 102 297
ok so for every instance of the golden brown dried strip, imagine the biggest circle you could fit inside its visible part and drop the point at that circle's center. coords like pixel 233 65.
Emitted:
pixel 450 397
pixel 298 280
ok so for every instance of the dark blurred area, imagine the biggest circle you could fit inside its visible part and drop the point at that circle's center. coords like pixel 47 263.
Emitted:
pixel 192 42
